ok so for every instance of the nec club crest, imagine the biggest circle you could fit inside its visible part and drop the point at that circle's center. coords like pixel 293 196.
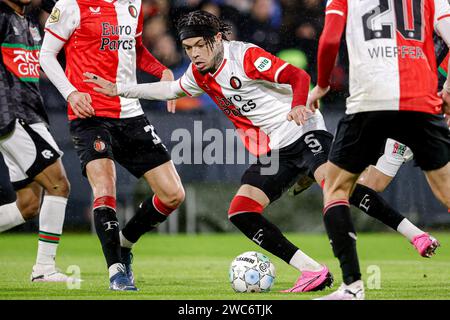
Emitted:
pixel 133 11
pixel 235 83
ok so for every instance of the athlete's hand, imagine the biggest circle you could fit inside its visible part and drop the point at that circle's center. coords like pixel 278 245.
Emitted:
pixel 299 114
pixel 314 97
pixel 168 76
pixel 80 103
pixel 104 86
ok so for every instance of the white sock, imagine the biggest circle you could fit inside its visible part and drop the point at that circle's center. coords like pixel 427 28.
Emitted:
pixel 10 216
pixel 51 220
pixel 409 230
pixel 115 268
pixel 124 242
pixel 302 262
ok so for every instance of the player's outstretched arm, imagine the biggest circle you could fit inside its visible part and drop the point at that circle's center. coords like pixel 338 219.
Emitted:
pixel 167 75
pixel 148 63
pixel 164 90
pixel 104 86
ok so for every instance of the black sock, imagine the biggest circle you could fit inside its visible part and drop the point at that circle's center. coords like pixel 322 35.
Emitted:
pixel 107 228
pixel 340 231
pixel 265 234
pixel 374 205
pixel 146 218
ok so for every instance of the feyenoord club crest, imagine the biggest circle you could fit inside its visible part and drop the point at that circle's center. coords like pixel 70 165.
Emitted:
pixel 133 11
pixel 235 83
pixel 99 146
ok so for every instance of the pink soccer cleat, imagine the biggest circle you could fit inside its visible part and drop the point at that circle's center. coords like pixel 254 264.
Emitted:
pixel 425 244
pixel 312 281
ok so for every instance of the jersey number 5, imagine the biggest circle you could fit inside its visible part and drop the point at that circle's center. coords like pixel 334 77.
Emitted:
pixel 408 17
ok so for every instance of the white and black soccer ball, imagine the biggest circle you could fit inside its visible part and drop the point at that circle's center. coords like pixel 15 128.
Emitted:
pixel 252 272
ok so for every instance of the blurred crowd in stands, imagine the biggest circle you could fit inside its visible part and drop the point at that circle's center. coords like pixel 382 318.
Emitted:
pixel 289 29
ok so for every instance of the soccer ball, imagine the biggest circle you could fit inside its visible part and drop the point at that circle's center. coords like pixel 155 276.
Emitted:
pixel 252 272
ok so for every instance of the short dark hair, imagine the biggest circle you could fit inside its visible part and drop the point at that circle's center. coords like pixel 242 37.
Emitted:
pixel 205 20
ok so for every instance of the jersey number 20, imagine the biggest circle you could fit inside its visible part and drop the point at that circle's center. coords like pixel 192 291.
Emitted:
pixel 408 16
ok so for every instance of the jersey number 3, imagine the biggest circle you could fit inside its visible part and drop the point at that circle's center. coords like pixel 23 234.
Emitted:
pixel 408 16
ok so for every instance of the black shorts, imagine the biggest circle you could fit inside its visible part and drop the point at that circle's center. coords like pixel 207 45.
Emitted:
pixel 302 157
pixel 132 142
pixel 360 137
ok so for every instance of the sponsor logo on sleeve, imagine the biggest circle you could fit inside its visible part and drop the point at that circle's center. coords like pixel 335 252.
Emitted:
pixel 263 64
pixel 54 16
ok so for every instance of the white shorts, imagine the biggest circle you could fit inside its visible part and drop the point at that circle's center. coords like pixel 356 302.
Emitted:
pixel 27 151
pixel 395 154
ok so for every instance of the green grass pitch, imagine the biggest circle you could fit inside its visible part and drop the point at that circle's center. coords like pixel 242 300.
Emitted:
pixel 183 267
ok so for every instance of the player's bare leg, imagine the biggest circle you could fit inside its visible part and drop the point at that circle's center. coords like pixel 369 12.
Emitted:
pixel 101 174
pixel 54 181
pixel 246 214
pixel 168 195
pixel 439 181
pixel 25 208
pixel 374 179
pixel 339 185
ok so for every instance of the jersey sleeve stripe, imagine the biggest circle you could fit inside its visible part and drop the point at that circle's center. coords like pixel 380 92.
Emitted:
pixel 55 35
pixel 185 91
pixel 443 17
pixel 138 35
pixel 335 12
pixel 279 71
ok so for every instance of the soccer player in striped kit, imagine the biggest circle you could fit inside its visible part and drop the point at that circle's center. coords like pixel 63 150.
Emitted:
pixel 105 37
pixel 29 150
pixel 263 96
pixel 393 94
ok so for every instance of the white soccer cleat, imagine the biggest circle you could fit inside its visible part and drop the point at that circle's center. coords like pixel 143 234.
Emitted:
pixel 354 291
pixel 50 274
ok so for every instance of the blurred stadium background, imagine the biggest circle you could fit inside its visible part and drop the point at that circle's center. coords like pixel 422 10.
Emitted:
pixel 288 28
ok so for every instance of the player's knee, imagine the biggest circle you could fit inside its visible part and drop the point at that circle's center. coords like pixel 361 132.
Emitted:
pixel 29 208
pixel 174 198
pixel 104 187
pixel 242 204
pixel 60 188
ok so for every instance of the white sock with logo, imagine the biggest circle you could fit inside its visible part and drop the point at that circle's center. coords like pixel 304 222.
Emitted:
pixel 303 262
pixel 51 220
pixel 10 216
pixel 408 229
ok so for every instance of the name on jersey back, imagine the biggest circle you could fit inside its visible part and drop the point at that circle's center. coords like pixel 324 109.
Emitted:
pixel 410 52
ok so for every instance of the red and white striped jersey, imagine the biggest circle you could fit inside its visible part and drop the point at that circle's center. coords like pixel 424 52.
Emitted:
pixel 100 38
pixel 391 53
pixel 245 87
